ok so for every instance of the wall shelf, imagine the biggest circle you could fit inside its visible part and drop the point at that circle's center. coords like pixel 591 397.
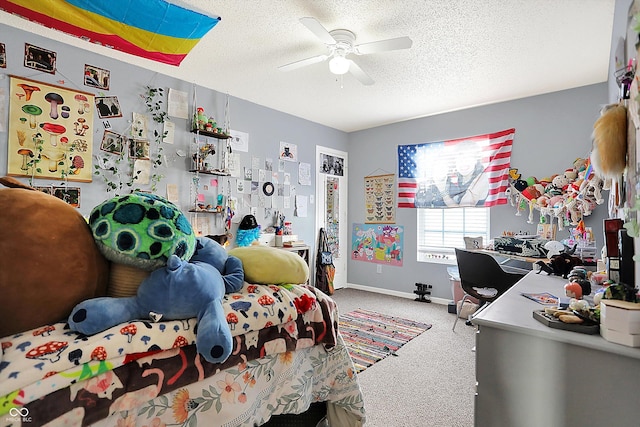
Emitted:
pixel 210 172
pixel 211 134
pixel 206 211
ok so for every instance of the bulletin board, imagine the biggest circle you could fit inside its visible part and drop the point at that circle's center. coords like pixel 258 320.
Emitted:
pixel 50 131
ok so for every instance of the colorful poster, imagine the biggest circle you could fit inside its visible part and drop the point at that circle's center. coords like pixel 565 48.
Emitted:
pixel 379 244
pixel 379 199
pixel 50 131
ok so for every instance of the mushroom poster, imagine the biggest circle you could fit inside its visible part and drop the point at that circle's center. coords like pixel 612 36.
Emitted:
pixel 50 131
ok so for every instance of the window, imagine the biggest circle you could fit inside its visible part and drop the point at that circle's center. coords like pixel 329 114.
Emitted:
pixel 442 230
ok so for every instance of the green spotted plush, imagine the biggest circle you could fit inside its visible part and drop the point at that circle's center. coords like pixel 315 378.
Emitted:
pixel 142 230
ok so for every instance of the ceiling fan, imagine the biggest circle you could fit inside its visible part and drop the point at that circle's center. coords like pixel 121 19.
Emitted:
pixel 341 43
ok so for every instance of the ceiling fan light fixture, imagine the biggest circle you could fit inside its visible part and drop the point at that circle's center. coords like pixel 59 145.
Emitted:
pixel 339 65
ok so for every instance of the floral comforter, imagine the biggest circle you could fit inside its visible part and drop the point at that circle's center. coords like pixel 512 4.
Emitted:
pixel 52 374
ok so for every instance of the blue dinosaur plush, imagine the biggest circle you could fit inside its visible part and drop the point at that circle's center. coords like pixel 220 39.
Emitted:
pixel 181 290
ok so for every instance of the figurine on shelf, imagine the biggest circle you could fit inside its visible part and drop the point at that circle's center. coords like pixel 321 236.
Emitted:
pixel 201 118
pixel 207 149
pixel 211 124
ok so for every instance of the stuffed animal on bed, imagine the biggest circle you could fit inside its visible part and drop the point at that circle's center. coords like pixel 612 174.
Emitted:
pixel 181 290
pixel 49 260
pixel 138 232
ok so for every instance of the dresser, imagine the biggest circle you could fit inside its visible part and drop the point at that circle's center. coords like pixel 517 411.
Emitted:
pixel 529 374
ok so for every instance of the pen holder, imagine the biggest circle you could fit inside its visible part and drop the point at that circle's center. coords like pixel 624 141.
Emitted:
pixel 278 240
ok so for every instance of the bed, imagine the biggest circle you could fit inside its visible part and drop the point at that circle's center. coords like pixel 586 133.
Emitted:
pixel 287 355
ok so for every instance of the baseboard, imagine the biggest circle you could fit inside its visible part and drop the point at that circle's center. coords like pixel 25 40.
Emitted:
pixel 407 295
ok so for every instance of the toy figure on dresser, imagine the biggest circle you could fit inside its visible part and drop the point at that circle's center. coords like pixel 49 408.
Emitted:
pixel 559 265
pixel 573 290
pixel 581 277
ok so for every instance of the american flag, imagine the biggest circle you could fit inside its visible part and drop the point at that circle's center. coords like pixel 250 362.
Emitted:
pixel 471 171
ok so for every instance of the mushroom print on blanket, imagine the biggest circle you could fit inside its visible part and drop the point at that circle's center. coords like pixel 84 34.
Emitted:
pixel 50 131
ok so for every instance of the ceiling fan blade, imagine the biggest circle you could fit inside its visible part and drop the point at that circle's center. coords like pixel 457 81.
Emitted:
pixel 359 74
pixel 316 28
pixel 384 45
pixel 303 63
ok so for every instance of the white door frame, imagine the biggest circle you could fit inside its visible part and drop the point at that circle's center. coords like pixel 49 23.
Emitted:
pixel 341 261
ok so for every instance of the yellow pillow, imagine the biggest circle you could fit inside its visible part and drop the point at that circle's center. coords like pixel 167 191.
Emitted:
pixel 268 265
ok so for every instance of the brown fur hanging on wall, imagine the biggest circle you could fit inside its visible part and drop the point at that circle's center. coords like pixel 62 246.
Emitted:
pixel 609 153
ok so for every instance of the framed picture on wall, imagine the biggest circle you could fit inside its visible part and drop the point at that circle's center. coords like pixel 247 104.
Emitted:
pixel 3 56
pixel 69 195
pixel 96 77
pixel 45 140
pixel 112 142
pixel 332 165
pixel 108 107
pixel 139 148
pixel 47 190
pixel 39 59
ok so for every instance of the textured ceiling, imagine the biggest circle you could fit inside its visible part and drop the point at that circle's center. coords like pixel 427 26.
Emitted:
pixel 464 54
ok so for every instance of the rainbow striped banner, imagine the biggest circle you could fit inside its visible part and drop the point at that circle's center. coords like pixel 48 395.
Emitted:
pixel 152 29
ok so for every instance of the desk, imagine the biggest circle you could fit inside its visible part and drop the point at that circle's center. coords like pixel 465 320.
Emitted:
pixel 528 259
pixel 531 375
pixel 303 251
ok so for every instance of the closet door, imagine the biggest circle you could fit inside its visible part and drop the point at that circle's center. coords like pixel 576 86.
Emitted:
pixel 331 205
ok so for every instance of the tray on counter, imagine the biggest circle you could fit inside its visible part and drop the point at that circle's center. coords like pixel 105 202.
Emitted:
pixel 554 323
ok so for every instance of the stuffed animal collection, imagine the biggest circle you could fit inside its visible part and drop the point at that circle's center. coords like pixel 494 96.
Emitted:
pixel 567 197
pixel 180 290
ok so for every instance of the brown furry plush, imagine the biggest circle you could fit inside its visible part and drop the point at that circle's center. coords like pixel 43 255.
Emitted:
pixel 49 261
pixel 609 153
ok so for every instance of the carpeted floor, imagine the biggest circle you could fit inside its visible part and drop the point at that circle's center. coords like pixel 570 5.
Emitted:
pixel 431 382
pixel 372 336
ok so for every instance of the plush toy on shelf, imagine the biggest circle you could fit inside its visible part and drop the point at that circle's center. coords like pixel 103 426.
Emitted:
pixel 248 231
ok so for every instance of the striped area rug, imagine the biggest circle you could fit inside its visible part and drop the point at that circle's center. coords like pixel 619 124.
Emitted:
pixel 372 336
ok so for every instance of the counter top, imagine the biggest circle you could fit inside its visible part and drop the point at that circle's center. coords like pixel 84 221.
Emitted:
pixel 514 312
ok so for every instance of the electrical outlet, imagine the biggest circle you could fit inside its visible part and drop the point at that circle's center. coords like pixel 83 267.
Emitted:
pixel 378 268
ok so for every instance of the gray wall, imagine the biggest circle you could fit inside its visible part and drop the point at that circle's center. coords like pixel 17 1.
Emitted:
pixel 551 132
pixel 266 127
